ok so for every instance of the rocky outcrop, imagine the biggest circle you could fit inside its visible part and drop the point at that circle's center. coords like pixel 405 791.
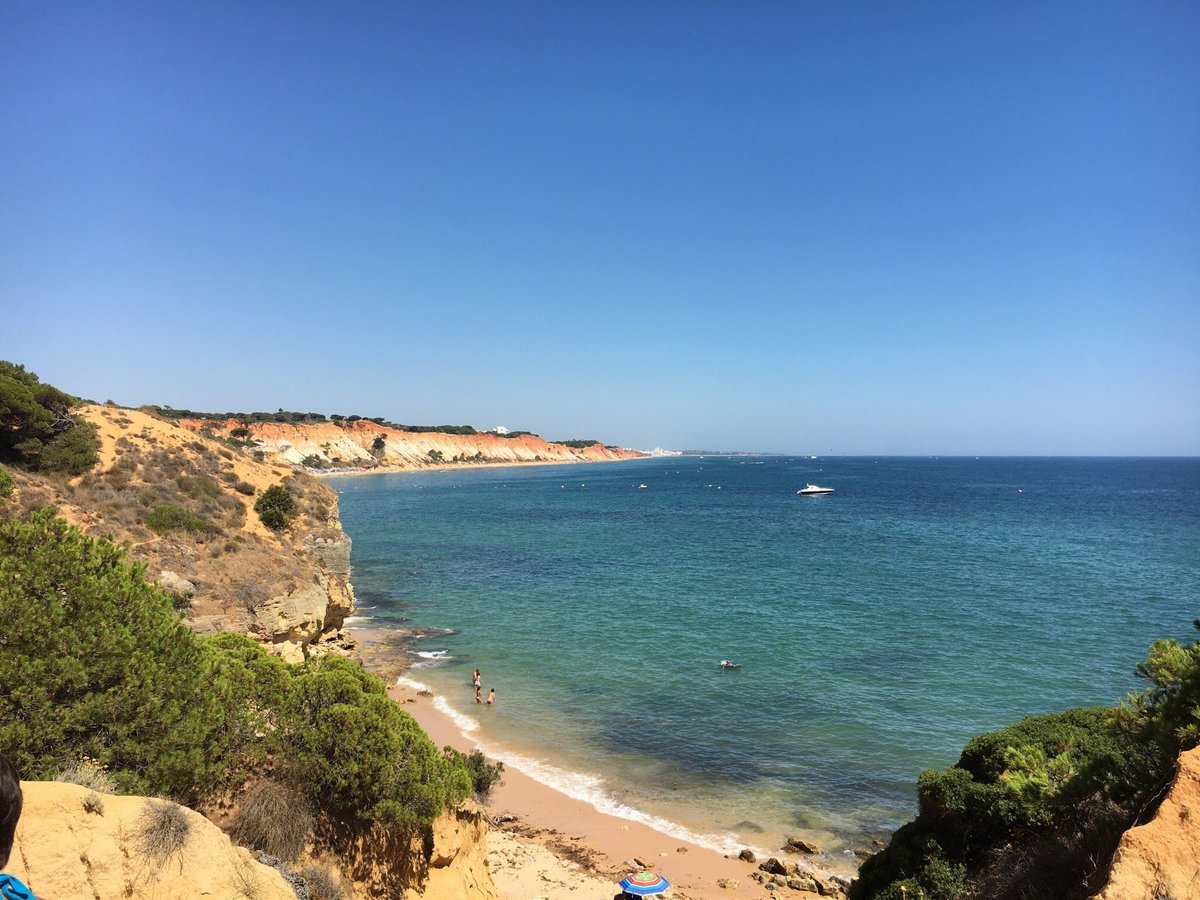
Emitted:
pixel 1161 859
pixel 290 590
pixel 365 443
pixel 451 865
pixel 73 842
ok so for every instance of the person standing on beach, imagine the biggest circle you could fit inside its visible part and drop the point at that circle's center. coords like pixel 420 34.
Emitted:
pixel 478 694
pixel 491 697
pixel 476 680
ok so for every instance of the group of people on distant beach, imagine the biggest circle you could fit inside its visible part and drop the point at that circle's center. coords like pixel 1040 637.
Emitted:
pixel 491 697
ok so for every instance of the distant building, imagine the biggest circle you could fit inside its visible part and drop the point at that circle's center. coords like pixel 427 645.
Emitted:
pixel 500 429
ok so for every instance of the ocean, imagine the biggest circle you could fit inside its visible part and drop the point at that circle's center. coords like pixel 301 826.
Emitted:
pixel 877 628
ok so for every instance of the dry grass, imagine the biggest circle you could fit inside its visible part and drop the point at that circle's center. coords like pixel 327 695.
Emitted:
pixel 89 774
pixel 322 883
pixel 163 830
pixel 275 819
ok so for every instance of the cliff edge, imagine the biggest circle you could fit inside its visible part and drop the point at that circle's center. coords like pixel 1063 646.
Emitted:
pixel 1161 859
pixel 74 842
pixel 184 505
pixel 367 444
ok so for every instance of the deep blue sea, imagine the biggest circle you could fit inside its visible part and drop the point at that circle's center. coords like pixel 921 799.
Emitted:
pixel 878 628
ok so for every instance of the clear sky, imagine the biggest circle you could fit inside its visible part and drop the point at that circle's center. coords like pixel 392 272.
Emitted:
pixel 906 227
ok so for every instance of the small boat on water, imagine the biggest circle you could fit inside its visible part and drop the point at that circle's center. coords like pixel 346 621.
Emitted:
pixel 814 489
pixel 727 664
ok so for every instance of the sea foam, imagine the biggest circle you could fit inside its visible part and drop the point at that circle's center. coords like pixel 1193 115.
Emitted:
pixel 579 785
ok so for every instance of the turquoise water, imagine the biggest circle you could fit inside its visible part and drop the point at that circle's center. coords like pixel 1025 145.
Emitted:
pixel 878 628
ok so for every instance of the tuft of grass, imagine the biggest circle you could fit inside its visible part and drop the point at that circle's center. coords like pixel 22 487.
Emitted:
pixel 275 819
pixel 89 774
pixel 322 884
pixel 93 803
pixel 163 829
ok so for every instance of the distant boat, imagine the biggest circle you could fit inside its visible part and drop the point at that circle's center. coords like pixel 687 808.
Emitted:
pixel 814 489
pixel 642 486
pixel 726 664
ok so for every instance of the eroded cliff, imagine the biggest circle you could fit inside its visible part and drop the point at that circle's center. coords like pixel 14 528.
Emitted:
pixel 1161 859
pixel 184 505
pixel 364 443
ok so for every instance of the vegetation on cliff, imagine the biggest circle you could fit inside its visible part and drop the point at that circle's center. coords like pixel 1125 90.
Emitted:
pixel 1036 809
pixel 94 662
pixel 287 417
pixel 37 428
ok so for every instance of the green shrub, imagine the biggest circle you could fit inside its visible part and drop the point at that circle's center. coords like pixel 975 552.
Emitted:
pixel 6 484
pixel 484 775
pixel 37 429
pixel 276 507
pixel 100 666
pixel 166 517
pixel 1170 708
pixel 72 452
pixel 1025 812
pixel 363 755
pixel 330 728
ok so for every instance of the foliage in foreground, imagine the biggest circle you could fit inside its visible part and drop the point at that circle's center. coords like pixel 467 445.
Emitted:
pixel 1033 810
pixel 95 664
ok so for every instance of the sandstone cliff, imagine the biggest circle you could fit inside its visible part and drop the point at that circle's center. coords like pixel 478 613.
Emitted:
pixel 353 444
pixel 72 842
pixel 1161 859
pixel 290 589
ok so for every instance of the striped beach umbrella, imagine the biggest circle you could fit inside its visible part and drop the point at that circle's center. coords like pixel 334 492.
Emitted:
pixel 644 884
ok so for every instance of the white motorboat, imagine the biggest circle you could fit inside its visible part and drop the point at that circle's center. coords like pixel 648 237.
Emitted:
pixel 814 489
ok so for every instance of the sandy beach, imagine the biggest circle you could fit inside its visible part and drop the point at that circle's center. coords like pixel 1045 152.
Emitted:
pixel 544 844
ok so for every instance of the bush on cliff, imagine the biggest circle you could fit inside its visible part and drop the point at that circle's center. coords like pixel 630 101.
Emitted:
pixel 94 662
pixel 1032 810
pixel 37 429
pixel 363 756
pixel 275 507
pixel 329 729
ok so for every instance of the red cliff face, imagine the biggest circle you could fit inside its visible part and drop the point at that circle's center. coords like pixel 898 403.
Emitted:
pixel 355 444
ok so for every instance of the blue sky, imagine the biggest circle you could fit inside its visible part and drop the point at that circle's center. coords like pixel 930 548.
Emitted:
pixel 798 227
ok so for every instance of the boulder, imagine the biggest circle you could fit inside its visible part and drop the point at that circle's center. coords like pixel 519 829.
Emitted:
pixel 804 883
pixel 799 845
pixel 773 867
pixel 176 584
pixel 747 855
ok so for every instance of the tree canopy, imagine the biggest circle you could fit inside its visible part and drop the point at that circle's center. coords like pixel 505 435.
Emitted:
pixel 37 429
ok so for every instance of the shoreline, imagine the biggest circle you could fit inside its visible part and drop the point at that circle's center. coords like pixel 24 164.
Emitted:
pixel 586 851
pixel 547 844
pixel 444 467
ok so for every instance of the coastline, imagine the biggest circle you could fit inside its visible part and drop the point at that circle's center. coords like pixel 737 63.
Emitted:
pixel 546 844
pixel 443 467
pixel 549 845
